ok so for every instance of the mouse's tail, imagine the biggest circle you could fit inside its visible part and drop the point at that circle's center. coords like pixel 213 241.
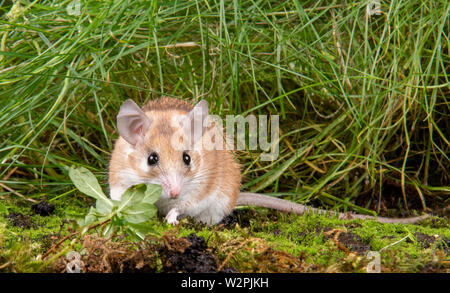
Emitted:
pixel 265 201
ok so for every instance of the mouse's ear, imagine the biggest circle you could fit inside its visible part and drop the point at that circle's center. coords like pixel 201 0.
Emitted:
pixel 200 110
pixel 132 122
pixel 195 122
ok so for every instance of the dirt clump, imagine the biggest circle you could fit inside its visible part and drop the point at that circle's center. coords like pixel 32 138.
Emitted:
pixel 238 216
pixel 348 242
pixel 354 243
pixel 20 220
pixel 187 255
pixel 43 208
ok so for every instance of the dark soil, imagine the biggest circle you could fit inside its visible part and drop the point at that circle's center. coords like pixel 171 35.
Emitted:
pixel 426 241
pixel 349 242
pixel 243 218
pixel 423 239
pixel 238 216
pixel 20 220
pixel 43 208
pixel 354 243
pixel 187 255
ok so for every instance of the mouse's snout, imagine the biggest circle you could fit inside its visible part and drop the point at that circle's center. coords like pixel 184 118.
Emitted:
pixel 172 185
pixel 175 192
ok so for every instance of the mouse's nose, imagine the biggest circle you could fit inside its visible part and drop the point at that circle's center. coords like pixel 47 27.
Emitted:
pixel 172 185
pixel 174 192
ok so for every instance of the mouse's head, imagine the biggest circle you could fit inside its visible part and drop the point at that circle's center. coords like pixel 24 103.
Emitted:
pixel 161 143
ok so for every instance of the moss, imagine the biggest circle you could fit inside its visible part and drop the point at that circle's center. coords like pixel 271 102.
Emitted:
pixel 17 255
pixel 303 236
pixel 305 239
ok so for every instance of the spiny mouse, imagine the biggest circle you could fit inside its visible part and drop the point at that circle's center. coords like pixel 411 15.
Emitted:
pixel 159 144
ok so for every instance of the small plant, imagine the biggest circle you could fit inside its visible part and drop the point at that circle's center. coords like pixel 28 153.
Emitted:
pixel 131 214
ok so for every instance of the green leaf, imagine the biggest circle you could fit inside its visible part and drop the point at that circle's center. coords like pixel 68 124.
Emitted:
pixel 140 194
pixel 139 231
pixel 131 213
pixel 89 219
pixel 103 207
pixel 139 213
pixel 87 183
pixel 136 235
pixel 92 217
pixel 143 228
pixel 152 193
pixel 107 230
pixel 132 195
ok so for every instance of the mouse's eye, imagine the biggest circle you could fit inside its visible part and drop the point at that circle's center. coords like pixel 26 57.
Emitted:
pixel 186 159
pixel 153 159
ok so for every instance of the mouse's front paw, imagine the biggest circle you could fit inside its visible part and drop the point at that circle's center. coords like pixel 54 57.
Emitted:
pixel 171 217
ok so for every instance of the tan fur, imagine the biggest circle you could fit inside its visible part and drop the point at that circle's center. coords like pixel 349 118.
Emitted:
pixel 219 169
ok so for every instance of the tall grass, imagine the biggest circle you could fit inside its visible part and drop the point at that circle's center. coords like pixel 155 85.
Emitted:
pixel 363 100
